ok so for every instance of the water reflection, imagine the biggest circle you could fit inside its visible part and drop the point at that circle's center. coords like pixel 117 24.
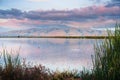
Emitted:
pixel 54 53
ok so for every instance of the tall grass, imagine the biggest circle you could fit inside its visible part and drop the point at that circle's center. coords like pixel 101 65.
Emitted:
pixel 106 63
pixel 13 69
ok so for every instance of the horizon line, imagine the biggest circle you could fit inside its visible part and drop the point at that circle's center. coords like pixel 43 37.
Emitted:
pixel 72 37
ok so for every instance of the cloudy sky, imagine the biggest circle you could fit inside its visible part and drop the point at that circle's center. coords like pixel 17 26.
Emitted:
pixel 84 14
pixel 49 4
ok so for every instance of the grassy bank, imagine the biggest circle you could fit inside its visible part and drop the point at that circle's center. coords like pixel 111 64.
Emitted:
pixel 106 64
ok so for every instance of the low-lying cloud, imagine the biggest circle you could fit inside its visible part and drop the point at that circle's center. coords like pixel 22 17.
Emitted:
pixel 82 14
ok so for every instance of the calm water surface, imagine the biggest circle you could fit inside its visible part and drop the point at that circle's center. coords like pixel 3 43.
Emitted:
pixel 60 54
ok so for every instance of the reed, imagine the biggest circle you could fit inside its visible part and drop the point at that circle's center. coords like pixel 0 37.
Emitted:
pixel 106 63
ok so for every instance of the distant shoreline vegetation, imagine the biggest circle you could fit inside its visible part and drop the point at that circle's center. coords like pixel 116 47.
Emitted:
pixel 69 37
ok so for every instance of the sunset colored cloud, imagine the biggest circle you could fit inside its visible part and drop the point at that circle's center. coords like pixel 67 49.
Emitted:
pixel 82 14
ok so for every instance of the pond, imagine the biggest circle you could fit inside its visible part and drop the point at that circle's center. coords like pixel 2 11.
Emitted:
pixel 54 53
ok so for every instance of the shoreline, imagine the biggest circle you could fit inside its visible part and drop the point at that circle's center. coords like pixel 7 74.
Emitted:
pixel 69 37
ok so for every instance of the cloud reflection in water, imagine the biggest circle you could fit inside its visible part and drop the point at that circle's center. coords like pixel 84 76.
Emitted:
pixel 54 53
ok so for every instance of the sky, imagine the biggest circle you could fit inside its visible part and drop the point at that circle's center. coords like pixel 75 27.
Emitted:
pixel 48 4
pixel 83 14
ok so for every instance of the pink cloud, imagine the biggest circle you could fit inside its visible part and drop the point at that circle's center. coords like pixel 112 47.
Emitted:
pixel 99 10
pixel 11 23
pixel 90 24
pixel 57 33
pixel 83 18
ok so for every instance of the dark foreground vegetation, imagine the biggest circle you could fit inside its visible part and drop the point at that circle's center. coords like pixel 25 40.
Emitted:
pixel 106 64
